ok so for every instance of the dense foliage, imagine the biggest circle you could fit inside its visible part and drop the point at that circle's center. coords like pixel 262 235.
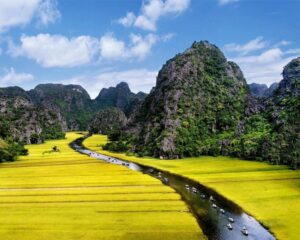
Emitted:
pixel 119 142
pixel 9 151
pixel 108 120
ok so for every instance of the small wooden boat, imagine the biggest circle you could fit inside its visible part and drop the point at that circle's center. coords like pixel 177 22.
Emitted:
pixel 245 231
pixel 229 226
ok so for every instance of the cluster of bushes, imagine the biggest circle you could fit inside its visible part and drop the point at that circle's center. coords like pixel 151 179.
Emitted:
pixel 118 142
pixel 53 132
pixel 10 150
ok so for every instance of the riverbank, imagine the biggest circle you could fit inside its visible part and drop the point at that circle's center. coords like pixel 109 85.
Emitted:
pixel 68 195
pixel 270 193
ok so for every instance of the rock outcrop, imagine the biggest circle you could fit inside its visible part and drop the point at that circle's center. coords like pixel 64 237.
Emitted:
pixel 23 121
pixel 120 97
pixel 198 95
pixel 283 111
pixel 71 101
pixel 201 105
pixel 108 120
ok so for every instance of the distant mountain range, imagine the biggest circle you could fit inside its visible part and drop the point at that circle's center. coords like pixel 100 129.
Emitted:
pixel 28 115
pixel 201 105
pixel 262 90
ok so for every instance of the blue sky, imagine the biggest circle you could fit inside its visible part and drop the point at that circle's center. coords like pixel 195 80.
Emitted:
pixel 98 43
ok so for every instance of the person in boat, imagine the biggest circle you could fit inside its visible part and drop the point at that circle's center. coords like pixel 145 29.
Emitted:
pixel 222 211
pixel 230 219
pixel 211 198
pixel 166 180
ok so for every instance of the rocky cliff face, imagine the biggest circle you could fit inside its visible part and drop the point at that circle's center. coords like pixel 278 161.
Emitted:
pixel 198 95
pixel 283 111
pixel 49 109
pixel 71 101
pixel 201 105
pixel 120 97
pixel 23 121
pixel 108 120
pixel 76 106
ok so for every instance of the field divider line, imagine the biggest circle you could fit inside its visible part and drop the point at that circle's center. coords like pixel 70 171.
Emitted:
pixel 77 187
pixel 84 194
pixel 96 201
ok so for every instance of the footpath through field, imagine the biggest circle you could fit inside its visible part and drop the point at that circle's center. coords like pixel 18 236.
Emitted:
pixel 71 196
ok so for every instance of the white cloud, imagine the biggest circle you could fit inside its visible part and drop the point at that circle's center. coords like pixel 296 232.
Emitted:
pixel 141 46
pixel 56 50
pixel 60 51
pixel 151 11
pixel 225 2
pixel 20 12
pixel 253 45
pixel 138 80
pixel 128 20
pixel 265 67
pixel 113 49
pixel 11 77
pixel 282 43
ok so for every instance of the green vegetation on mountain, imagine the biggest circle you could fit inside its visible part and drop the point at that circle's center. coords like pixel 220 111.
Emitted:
pixel 108 120
pixel 77 108
pixel 71 101
pixel 48 110
pixel 120 97
pixel 23 121
pixel 283 112
pixel 201 105
pixel 198 102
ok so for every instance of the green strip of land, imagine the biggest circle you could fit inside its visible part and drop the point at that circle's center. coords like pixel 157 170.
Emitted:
pixel 72 196
pixel 270 193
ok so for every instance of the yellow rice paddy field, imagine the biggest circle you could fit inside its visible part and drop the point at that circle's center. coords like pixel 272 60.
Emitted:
pixel 269 193
pixel 71 196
